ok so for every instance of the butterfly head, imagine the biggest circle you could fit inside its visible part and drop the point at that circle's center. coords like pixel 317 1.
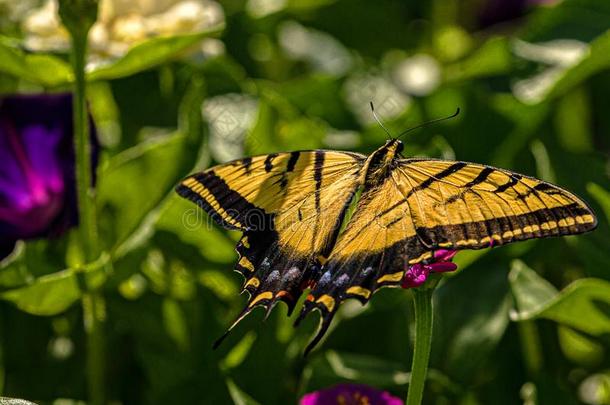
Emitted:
pixel 393 148
pixel 380 162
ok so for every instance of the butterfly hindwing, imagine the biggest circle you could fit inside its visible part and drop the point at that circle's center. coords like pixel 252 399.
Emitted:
pixel 424 205
pixel 289 207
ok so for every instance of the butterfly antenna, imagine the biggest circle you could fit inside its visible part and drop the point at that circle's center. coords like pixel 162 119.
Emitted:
pixel 378 120
pixel 425 124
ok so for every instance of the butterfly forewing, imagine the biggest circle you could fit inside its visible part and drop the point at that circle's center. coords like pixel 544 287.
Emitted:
pixel 465 205
pixel 289 206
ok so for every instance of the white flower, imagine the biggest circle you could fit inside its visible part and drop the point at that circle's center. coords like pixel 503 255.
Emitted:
pixel 362 88
pixel 418 75
pixel 229 116
pixel 558 55
pixel 122 24
pixel 14 11
pixel 322 51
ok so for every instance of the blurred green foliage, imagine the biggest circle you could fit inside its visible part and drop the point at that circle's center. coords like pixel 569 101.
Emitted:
pixel 528 323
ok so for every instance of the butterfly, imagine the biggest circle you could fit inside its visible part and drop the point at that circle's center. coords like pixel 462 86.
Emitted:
pixel 291 208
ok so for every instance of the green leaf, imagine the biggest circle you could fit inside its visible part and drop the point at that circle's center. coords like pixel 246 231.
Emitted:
pixel 13 271
pixel 583 305
pixel 239 352
pixel 491 59
pixel 579 348
pixel 279 127
pixel 45 70
pixel 31 260
pixel 54 293
pixel 238 396
pixel 474 300
pixel 193 226
pixel 219 283
pixel 529 289
pixel 175 323
pixel 364 369
pixel 148 54
pixel 602 196
pixel 335 367
pixel 136 181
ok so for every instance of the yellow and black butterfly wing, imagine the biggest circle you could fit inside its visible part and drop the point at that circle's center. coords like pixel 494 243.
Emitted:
pixel 458 205
pixel 365 257
pixel 289 206
pixel 423 205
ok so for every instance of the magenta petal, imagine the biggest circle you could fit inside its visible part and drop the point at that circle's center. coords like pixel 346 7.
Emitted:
pixel 42 148
pixel 390 399
pixel 310 399
pixel 350 394
pixel 444 255
pixel 415 276
pixel 442 267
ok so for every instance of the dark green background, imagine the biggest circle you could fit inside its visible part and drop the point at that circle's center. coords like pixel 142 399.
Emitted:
pixel 170 291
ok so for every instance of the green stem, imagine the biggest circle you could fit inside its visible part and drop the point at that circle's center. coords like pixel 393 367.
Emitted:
pixel 82 147
pixel 422 300
pixel 92 301
pixel 94 313
pixel 530 347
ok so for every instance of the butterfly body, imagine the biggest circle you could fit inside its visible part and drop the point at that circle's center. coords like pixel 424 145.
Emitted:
pixel 291 208
pixel 380 163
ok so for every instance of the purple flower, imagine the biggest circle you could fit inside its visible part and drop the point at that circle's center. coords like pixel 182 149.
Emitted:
pixel 498 11
pixel 350 394
pixel 37 178
pixel 417 274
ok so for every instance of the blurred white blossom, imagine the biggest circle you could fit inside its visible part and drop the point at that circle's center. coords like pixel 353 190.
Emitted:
pixel 418 75
pixel 342 139
pixel 15 11
pixel 558 56
pixel 122 24
pixel 595 389
pixel 319 49
pixel 230 116
pixel 361 88
pixel 263 8
pixel 61 347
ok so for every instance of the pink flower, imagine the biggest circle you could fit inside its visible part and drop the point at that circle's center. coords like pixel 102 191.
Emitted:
pixel 417 274
pixel 350 394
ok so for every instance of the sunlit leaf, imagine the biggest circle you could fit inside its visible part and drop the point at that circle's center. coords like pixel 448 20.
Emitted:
pixel 29 261
pixel 579 348
pixel 492 58
pixel 602 196
pixel 175 323
pixel 239 352
pixel 13 271
pixel 238 396
pixel 148 54
pixel 45 70
pixel 137 180
pixel 193 226
pixel 54 293
pixel 583 305
pixel 220 284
